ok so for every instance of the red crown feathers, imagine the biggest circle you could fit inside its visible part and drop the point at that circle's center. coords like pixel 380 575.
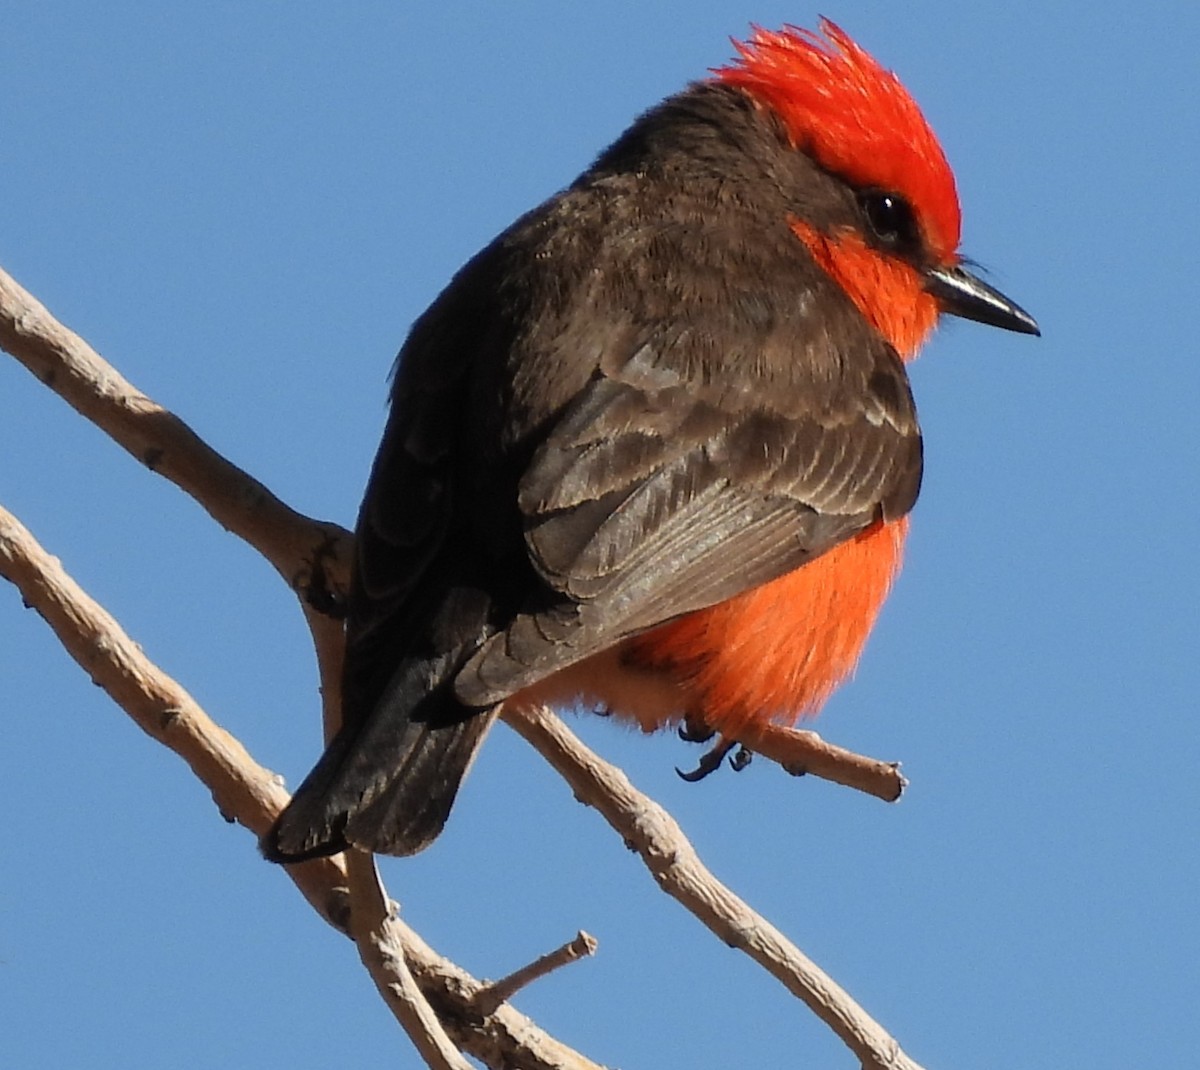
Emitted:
pixel 854 118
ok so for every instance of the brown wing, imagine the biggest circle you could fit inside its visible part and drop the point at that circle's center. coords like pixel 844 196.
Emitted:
pixel 650 500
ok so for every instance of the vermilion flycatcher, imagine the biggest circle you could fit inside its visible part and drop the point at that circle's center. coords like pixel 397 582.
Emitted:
pixel 652 450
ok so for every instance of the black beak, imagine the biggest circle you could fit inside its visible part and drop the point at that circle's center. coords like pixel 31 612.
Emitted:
pixel 962 294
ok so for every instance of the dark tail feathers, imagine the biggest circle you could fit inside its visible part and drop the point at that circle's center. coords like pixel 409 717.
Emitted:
pixel 386 788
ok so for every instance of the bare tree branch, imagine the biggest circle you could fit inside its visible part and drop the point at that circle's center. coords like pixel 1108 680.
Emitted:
pixel 382 952
pixel 243 790
pixel 498 992
pixel 295 544
pixel 647 828
pixel 247 793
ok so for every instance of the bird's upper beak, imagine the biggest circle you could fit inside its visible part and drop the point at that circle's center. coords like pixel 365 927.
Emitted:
pixel 962 294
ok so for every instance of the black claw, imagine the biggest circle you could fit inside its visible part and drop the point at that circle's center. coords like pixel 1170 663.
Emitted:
pixel 693 730
pixel 711 761
pixel 741 759
pixel 317 589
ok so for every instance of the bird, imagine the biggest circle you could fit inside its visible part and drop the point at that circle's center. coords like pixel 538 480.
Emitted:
pixel 653 450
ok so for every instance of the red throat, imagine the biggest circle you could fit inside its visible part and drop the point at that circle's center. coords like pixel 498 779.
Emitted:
pixel 888 292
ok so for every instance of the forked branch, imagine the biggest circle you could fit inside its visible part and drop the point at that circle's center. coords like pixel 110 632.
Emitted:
pixel 252 796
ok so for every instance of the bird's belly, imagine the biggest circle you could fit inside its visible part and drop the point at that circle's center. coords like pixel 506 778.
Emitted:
pixel 773 653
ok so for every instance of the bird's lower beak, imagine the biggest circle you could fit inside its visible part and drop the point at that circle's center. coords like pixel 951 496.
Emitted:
pixel 962 294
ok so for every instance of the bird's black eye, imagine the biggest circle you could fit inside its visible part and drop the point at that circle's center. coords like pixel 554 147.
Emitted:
pixel 891 218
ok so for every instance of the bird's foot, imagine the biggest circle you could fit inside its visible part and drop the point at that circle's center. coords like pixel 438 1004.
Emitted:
pixel 711 761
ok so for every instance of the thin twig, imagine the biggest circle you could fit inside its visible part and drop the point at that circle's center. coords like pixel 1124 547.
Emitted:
pixel 503 990
pixel 801 751
pixel 646 827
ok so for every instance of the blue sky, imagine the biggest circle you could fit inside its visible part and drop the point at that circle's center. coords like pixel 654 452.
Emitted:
pixel 243 206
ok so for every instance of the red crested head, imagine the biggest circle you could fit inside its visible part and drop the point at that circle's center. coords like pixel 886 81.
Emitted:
pixel 854 118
